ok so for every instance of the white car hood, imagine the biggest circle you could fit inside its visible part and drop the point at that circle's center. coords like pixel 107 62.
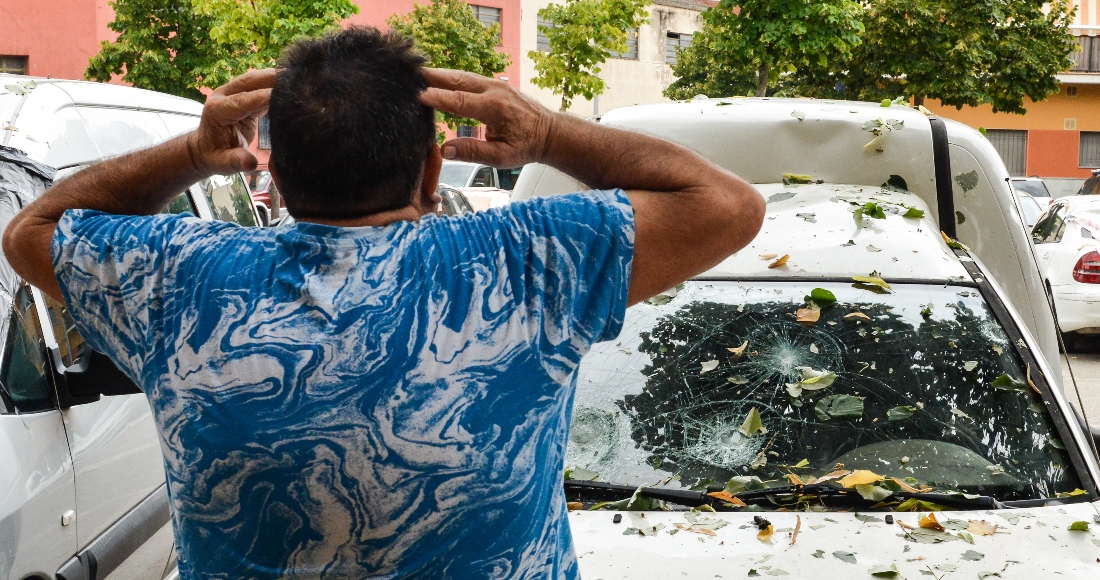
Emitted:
pixel 1029 543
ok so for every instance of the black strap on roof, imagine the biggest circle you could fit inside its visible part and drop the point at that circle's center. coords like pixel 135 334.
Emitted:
pixel 941 157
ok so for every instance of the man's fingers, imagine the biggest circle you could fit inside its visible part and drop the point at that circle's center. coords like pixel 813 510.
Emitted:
pixel 456 80
pixel 476 150
pixel 229 161
pixel 463 104
pixel 234 108
pixel 249 81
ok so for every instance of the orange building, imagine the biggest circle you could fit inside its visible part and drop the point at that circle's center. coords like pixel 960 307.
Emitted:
pixel 1059 138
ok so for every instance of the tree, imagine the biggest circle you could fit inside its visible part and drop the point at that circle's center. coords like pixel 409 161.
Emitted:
pixel 961 53
pixel 265 27
pixel 580 35
pixel 748 44
pixel 162 46
pixel 448 33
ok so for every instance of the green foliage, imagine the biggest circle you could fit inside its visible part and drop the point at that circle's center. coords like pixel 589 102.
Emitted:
pixel 961 53
pixel 265 27
pixel 745 42
pixel 580 35
pixel 162 46
pixel 448 33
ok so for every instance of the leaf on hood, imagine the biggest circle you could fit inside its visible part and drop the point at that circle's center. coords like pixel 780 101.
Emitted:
pixel 818 554
pixel 798 115
pixel 860 477
pixel 928 521
pixel 837 406
pixel 972 556
pixel 16 89
pixel 797 178
pixel 753 573
pixel 845 557
pixel 765 535
pixel 768 256
pixel 753 424
pixel 981 528
pixel 966 537
pixel 873 281
pixel 821 297
pixel 929 536
pixel 810 217
pixel 1079 527
pixel 913 213
pixel 871 248
pixel 900 413
pixel 808 315
pixel 739 351
pixel 780 262
pixel 856 316
pixel 581 475
pixel 574 505
pixel 708 366
pixel 726 497
pixel 890 571
pixel 872 492
pixel 665 297
pixel 1008 383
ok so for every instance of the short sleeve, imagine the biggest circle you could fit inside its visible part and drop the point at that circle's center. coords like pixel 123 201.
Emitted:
pixel 111 270
pixel 569 261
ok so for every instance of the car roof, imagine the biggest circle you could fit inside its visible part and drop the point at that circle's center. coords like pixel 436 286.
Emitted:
pixel 107 95
pixel 814 224
pixel 1075 203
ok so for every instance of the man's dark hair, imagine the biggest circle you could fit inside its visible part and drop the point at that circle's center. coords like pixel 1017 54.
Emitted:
pixel 348 135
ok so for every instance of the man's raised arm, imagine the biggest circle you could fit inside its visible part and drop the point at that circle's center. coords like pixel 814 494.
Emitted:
pixel 143 182
pixel 689 213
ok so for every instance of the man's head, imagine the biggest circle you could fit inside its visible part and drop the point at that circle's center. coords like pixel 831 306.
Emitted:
pixel 349 137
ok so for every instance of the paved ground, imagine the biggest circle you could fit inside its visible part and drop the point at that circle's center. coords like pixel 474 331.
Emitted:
pixel 1086 367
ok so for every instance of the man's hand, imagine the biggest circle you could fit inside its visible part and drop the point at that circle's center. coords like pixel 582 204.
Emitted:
pixel 220 145
pixel 517 129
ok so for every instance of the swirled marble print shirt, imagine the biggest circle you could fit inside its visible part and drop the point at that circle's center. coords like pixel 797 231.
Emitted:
pixel 383 402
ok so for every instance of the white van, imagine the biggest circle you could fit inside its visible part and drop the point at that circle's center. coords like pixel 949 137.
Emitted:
pixel 82 485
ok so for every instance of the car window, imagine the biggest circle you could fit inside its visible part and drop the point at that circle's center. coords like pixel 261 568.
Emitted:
pixel 1091 186
pixel 70 344
pixel 922 383
pixel 508 177
pixel 1030 209
pixel 180 204
pixel 455 175
pixel 483 177
pixel 1049 228
pixel 24 374
pixel 229 199
pixel 1036 188
pixel 454 203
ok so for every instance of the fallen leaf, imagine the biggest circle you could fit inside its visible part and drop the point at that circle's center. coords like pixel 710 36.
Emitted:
pixel 995 469
pixel 797 527
pixel 966 537
pixel 753 573
pixel 871 248
pixel 848 557
pixel 737 380
pixel 814 349
pixel 798 115
pixel 768 256
pixel 871 492
pixel 972 556
pixel 708 366
pixel 890 571
pixel 873 281
pixel 970 365
pixel 913 213
pixel 833 475
pixel 928 521
pixel 859 477
pixel 1008 383
pixel 739 351
pixel 574 505
pixel 579 474
pixel 665 297
pixel 981 528
pixel 904 486
pixel 929 536
pixel 801 464
pixel 759 462
pixel 765 535
pixel 794 479
pixel 900 413
pixel 796 178
pixel 810 315
pixel 1079 527
pixel 837 406
pixel 946 567
pixel 818 554
pixel 856 315
pixel 960 413
pixel 821 297
pixel 726 497
pixel 781 261
pixel 753 424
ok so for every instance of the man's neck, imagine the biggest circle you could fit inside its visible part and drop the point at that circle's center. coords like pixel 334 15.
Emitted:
pixel 408 214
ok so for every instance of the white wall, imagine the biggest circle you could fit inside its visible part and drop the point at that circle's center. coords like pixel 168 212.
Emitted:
pixel 629 82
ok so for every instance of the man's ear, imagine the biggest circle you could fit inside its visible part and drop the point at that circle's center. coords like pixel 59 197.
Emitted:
pixel 429 180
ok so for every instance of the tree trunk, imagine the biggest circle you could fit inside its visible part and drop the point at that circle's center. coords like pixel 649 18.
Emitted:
pixel 275 201
pixel 762 81
pixel 564 104
pixel 918 101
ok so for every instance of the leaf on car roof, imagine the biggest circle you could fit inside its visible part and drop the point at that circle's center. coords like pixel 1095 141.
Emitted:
pixel 798 115
pixel 818 554
pixel 848 557
pixel 838 406
pixel 765 535
pixel 781 196
pixel 981 528
pixel 890 571
pixel 780 262
pixel 972 556
pixel 913 213
pixel 860 477
pixel 797 178
pixel 753 424
pixel 708 366
pixel 768 256
pixel 1079 527
pixel 16 89
pixel 929 536
pixel 966 537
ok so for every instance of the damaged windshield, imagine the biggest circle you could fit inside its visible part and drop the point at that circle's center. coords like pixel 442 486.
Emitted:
pixel 722 380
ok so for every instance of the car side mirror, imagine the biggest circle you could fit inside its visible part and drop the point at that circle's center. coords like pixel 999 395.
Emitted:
pixel 94 376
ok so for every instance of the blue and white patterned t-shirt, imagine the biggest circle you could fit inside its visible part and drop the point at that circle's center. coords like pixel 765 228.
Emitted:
pixel 359 402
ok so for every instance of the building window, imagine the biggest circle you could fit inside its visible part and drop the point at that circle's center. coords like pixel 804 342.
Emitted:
pixel 631 46
pixel 263 140
pixel 466 131
pixel 16 65
pixel 541 42
pixel 486 15
pixel 675 41
pixel 1087 55
pixel 1090 150
pixel 1012 146
pixel 1071 91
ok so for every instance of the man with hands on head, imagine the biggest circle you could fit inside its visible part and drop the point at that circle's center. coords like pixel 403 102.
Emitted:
pixel 375 391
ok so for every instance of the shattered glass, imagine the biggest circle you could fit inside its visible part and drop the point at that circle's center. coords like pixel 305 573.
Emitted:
pixel 651 407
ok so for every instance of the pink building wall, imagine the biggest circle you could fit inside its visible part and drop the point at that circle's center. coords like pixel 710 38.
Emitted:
pixel 57 36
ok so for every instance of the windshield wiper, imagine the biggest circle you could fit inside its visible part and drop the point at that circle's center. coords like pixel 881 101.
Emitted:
pixel 824 489
pixel 684 497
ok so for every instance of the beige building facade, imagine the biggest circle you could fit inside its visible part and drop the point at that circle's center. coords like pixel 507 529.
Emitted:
pixel 636 77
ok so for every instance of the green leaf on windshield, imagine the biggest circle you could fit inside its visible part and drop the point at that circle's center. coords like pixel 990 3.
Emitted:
pixel 913 213
pixel 900 413
pixel 743 483
pixel 821 297
pixel 666 296
pixel 872 492
pixel 918 505
pixel 1008 383
pixel 837 406
pixel 581 475
pixel 753 424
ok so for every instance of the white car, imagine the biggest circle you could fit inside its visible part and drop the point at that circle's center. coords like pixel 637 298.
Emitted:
pixel 1068 251
pixel 82 485
pixel 1031 208
pixel 485 187
pixel 1033 186
pixel 852 393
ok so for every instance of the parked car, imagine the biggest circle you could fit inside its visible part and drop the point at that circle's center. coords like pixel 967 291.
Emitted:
pixel 461 174
pixel 1030 208
pixel 454 203
pixel 1069 257
pixel 262 185
pixel 1091 185
pixel 853 392
pixel 82 485
pixel 1034 187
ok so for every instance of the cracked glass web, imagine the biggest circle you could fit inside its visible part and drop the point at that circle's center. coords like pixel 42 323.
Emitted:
pixel 648 409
